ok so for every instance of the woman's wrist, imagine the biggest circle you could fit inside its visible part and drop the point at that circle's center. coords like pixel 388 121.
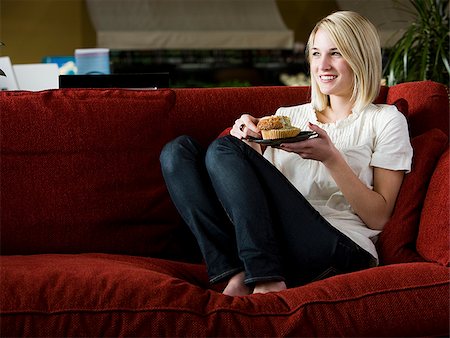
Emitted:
pixel 334 160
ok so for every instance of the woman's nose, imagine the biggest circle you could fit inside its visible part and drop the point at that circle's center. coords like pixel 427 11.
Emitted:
pixel 324 62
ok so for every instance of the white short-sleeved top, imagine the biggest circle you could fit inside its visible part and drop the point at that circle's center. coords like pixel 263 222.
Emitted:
pixel 375 137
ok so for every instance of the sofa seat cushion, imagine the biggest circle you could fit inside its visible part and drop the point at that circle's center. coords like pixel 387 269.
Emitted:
pixel 84 166
pixel 113 295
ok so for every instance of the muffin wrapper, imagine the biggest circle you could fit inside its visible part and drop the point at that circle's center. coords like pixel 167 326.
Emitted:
pixel 279 133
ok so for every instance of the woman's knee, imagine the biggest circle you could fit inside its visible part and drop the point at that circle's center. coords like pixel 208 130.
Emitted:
pixel 216 150
pixel 177 150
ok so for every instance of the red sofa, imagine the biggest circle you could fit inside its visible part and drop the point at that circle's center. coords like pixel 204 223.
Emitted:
pixel 91 244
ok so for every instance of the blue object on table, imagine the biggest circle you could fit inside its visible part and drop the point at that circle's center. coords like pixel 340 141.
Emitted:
pixel 66 64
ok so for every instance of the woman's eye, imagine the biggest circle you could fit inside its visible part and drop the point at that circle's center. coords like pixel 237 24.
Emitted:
pixel 336 54
pixel 315 54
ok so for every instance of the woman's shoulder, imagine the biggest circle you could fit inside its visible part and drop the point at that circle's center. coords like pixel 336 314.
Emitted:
pixel 388 120
pixel 383 109
pixel 384 113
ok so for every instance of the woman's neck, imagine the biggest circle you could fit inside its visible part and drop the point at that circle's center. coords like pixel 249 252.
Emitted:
pixel 338 109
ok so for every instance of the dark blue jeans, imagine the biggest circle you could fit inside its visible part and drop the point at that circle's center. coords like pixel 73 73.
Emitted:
pixel 246 216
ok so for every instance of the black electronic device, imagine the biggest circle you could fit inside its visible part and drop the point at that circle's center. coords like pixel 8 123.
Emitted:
pixel 131 81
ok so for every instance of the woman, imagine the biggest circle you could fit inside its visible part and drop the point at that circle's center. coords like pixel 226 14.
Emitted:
pixel 268 219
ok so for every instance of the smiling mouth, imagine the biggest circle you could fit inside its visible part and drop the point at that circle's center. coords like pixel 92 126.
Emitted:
pixel 328 77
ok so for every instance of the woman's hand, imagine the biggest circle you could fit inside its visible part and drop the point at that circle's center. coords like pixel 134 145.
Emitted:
pixel 319 148
pixel 245 126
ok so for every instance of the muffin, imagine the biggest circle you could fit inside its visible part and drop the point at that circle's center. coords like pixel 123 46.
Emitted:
pixel 276 127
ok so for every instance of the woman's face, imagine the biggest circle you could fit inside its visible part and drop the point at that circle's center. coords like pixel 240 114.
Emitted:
pixel 331 72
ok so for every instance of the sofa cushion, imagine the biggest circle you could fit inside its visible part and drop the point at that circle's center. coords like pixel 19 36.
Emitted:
pixel 397 242
pixel 428 106
pixel 433 240
pixel 97 295
pixel 80 172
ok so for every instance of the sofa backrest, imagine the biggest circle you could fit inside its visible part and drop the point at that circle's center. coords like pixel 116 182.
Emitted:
pixel 80 167
pixel 427 105
pixel 434 236
pixel 80 172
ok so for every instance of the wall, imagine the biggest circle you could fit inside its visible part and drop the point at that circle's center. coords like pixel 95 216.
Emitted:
pixel 301 15
pixel 32 29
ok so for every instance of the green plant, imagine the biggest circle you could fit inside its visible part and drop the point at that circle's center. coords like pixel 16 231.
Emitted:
pixel 422 53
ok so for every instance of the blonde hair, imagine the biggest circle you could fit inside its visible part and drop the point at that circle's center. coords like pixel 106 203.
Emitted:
pixel 357 40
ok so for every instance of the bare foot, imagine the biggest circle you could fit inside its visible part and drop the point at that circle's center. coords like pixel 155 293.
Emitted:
pixel 266 287
pixel 236 286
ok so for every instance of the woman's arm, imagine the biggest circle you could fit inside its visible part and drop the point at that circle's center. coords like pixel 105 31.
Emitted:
pixel 375 206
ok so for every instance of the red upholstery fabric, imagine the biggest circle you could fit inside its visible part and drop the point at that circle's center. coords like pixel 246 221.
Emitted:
pixel 382 95
pixel 433 241
pixel 80 173
pixel 108 295
pixel 84 166
pixel 398 240
pixel 427 114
